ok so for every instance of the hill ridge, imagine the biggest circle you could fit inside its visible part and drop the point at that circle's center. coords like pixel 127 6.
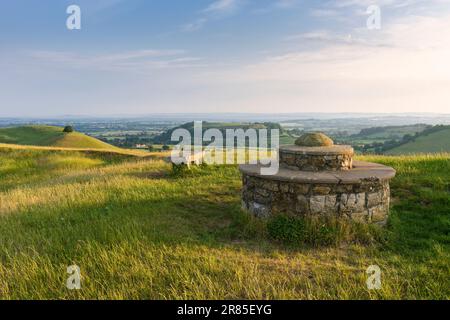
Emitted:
pixel 50 136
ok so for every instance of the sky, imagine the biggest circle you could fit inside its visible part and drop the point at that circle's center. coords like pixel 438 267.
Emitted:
pixel 213 56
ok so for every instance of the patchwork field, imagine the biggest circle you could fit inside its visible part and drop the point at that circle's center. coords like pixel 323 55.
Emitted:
pixel 137 231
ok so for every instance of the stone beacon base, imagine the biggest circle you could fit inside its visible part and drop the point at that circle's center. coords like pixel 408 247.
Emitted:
pixel 347 189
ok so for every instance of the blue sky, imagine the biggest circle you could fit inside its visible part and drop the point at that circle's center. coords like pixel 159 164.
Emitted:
pixel 143 56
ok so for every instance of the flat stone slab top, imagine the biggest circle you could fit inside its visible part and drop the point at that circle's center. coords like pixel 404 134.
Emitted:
pixel 322 151
pixel 362 171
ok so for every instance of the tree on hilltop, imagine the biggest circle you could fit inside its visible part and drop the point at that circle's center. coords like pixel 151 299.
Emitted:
pixel 68 129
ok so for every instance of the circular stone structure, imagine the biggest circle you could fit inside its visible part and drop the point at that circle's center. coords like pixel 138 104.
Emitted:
pixel 319 181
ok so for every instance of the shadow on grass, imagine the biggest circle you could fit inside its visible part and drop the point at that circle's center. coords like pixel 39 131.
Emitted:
pixel 211 215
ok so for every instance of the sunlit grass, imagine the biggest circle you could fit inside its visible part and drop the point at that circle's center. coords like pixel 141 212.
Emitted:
pixel 139 232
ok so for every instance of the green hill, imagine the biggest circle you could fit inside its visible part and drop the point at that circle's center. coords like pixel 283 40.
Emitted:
pixel 389 132
pixel 433 140
pixel 50 136
pixel 165 138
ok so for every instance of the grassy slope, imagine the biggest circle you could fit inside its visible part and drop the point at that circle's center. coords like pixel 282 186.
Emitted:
pixel 391 132
pixel 50 136
pixel 137 232
pixel 433 142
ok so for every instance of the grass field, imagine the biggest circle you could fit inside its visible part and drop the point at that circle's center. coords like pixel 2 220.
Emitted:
pixel 51 137
pixel 139 232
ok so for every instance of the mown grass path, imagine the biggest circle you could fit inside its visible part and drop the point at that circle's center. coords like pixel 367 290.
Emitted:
pixel 138 232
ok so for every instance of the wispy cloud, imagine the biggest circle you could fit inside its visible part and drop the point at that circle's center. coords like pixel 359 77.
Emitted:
pixel 278 5
pixel 322 36
pixel 139 60
pixel 384 3
pixel 221 6
pixel 405 69
pixel 195 25
pixel 326 13
pixel 217 9
pixel 286 3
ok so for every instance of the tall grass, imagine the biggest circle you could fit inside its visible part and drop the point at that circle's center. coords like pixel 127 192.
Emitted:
pixel 139 232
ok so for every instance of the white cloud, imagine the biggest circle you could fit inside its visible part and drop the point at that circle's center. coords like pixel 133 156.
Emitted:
pixel 214 10
pixel 137 61
pixel 323 36
pixel 348 10
pixel 194 26
pixel 385 3
pixel 221 6
pixel 404 68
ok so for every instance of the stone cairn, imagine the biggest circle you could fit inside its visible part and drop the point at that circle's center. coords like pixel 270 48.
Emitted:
pixel 319 178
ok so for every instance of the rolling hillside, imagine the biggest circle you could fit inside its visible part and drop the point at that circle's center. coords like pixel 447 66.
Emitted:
pixel 430 141
pixel 50 136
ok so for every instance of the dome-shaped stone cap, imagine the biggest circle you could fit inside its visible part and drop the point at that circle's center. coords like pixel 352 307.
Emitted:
pixel 316 139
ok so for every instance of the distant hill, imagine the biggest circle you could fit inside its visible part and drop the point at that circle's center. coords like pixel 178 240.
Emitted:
pixel 379 139
pixel 165 138
pixel 50 136
pixel 389 132
pixel 432 140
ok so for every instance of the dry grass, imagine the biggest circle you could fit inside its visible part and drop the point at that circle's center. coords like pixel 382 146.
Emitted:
pixel 138 232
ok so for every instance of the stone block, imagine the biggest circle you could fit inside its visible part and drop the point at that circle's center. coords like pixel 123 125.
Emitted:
pixel 319 162
pixel 378 214
pixel 353 202
pixel 374 199
pixel 317 204
pixel 302 188
pixel 288 159
pixel 259 210
pixel 270 185
pixel 321 190
pixel 360 216
pixel 262 192
pixel 284 187
pixel 248 195
pixel 260 199
pixel 251 182
pixel 302 205
pixel 331 205
pixel 300 161
pixel 344 188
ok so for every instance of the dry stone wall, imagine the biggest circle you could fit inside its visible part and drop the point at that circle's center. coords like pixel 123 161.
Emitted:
pixel 365 201
pixel 309 162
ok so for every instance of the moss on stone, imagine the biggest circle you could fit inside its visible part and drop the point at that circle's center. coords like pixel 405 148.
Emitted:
pixel 316 139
